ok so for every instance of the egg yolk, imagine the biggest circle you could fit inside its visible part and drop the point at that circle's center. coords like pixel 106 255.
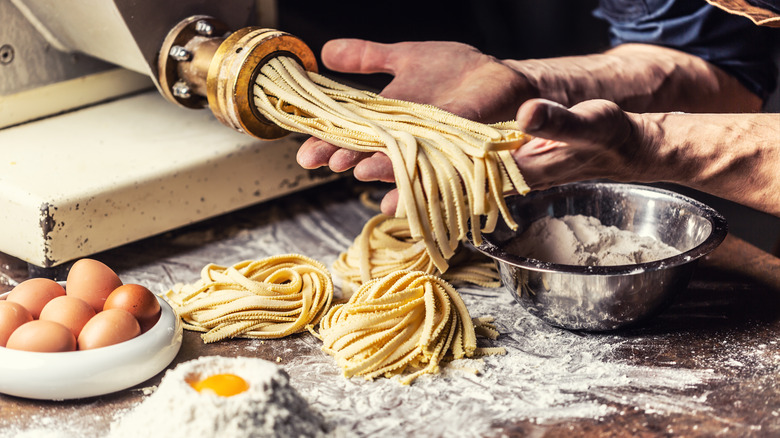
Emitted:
pixel 224 385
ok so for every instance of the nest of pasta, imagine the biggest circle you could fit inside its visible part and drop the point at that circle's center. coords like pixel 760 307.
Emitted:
pixel 404 321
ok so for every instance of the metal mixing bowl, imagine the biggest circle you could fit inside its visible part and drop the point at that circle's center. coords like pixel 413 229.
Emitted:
pixel 600 298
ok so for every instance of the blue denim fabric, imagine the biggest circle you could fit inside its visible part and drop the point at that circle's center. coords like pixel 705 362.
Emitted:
pixel 730 42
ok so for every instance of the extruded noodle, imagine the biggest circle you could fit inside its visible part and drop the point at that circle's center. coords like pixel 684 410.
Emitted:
pixel 385 245
pixel 269 298
pixel 450 171
pixel 405 319
pixel 451 174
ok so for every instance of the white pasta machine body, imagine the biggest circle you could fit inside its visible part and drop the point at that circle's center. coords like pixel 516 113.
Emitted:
pixel 94 157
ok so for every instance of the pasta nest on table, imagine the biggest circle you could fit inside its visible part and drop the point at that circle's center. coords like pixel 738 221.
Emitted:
pixel 405 319
pixel 385 245
pixel 269 298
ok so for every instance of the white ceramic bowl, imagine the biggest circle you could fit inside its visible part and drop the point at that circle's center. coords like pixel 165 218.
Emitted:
pixel 88 373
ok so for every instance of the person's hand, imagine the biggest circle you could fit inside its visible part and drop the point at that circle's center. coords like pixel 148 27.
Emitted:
pixel 732 156
pixel 452 76
pixel 593 139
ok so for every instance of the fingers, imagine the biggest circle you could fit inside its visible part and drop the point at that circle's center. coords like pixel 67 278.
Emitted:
pixel 345 159
pixel 593 139
pixel 377 167
pixel 315 153
pixel 389 202
pixel 592 121
pixel 357 56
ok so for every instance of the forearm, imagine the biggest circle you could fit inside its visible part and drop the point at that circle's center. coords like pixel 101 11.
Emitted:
pixel 734 156
pixel 639 78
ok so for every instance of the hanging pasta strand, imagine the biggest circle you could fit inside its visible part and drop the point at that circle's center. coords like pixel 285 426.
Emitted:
pixel 385 245
pixel 451 173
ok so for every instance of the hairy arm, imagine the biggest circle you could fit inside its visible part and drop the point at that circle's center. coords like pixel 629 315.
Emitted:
pixel 639 78
pixel 460 79
pixel 734 156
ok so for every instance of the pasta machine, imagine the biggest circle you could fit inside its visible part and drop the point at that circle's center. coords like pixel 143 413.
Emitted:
pixel 94 157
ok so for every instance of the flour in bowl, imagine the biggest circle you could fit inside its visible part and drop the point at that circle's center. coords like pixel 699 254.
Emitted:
pixel 584 241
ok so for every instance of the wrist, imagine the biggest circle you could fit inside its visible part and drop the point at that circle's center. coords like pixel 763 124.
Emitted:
pixel 548 79
pixel 619 75
pixel 652 157
pixel 734 156
pixel 640 78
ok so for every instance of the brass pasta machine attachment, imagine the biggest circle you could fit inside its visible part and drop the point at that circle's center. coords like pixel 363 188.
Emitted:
pixel 201 63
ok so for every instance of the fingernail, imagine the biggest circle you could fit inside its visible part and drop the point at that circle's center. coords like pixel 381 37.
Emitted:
pixel 538 118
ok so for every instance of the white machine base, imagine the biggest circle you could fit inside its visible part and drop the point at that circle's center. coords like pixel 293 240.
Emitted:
pixel 90 180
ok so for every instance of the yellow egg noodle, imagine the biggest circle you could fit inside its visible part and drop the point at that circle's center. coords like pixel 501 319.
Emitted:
pixel 450 171
pixel 365 199
pixel 405 319
pixel 385 245
pixel 269 298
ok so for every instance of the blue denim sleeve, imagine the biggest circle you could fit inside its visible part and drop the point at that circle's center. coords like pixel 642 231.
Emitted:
pixel 730 42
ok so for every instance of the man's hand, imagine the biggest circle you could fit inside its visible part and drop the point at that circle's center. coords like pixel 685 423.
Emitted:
pixel 593 139
pixel 452 76
pixel 734 156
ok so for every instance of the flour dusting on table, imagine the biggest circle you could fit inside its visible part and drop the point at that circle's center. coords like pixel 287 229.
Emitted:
pixel 548 375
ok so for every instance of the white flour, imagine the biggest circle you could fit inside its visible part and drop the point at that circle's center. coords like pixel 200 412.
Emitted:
pixel 548 375
pixel 584 241
pixel 269 408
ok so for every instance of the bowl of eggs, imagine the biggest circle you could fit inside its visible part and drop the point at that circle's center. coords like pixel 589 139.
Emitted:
pixel 91 337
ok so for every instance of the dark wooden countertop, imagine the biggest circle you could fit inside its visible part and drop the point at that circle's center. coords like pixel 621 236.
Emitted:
pixel 722 334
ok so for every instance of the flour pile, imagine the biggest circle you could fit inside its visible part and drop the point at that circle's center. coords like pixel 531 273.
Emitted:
pixel 584 241
pixel 269 408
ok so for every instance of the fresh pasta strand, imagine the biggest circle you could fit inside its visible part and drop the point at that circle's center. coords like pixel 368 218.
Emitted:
pixel 365 199
pixel 451 172
pixel 407 319
pixel 385 245
pixel 269 298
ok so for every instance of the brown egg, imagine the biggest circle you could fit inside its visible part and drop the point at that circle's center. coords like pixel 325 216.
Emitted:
pixel 43 336
pixel 71 312
pixel 139 301
pixel 91 281
pixel 108 327
pixel 34 293
pixel 12 315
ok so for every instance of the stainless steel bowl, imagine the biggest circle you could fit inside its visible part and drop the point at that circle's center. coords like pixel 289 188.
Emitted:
pixel 601 298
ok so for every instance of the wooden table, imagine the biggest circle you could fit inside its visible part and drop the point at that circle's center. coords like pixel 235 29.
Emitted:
pixel 708 366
